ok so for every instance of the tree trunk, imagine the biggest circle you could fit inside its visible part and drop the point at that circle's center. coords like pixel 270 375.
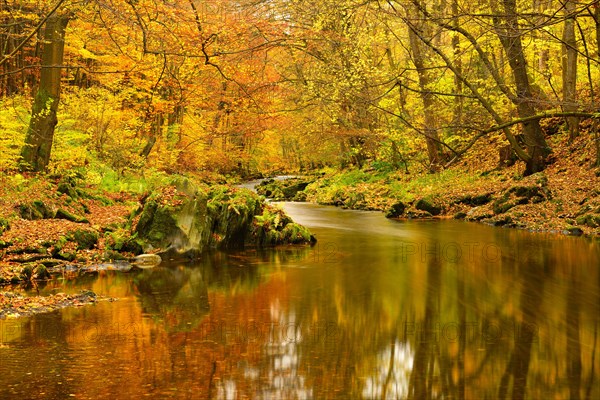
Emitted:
pixel 40 134
pixel 597 20
pixel 458 85
pixel 509 33
pixel 569 69
pixel 434 150
pixel 155 130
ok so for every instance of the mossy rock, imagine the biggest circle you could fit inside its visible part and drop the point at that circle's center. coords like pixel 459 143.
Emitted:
pixel 33 271
pixel 355 201
pixel 291 190
pixel 85 239
pixel 222 218
pixel 232 214
pixel 67 189
pixel 476 200
pixel 69 216
pixel 540 192
pixel 68 185
pixel 111 255
pixel 157 224
pixel 35 210
pixel 428 206
pixel 573 231
pixel 396 210
pixel 273 227
pixel 300 196
pixel 502 206
pixel 27 271
pixel 460 215
pixel 280 190
pixel 181 225
pixel 502 221
pixel 4 225
pixel 296 234
pixel 41 272
pixel 593 221
pixel 418 214
pixel 276 194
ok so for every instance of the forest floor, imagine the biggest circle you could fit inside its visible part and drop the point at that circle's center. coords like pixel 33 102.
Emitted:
pixel 51 224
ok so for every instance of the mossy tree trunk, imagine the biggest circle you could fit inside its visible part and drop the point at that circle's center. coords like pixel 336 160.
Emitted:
pixel 40 134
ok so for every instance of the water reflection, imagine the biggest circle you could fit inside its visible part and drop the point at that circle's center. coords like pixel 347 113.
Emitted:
pixel 390 380
pixel 177 296
pixel 378 309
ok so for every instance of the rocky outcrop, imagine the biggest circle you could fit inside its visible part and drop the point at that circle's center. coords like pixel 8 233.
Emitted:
pixel 184 220
pixel 291 189
pixel 173 219
pixel 396 210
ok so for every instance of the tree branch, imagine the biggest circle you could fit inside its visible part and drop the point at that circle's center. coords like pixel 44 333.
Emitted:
pixel 32 33
pixel 508 124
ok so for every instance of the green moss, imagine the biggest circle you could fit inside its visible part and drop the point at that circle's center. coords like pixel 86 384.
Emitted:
pixel 69 216
pixel 67 189
pixel 274 227
pixel 27 271
pixel 223 218
pixel 41 272
pixel 428 206
pixel 163 224
pixel 4 225
pixel 85 239
pixel 37 209
pixel 593 221
pixel 573 231
pixel 296 234
pixel 231 213
pixel 280 190
pixel 460 215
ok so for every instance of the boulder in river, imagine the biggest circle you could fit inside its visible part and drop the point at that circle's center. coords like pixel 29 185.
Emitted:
pixel 396 210
pixel 184 219
pixel 428 206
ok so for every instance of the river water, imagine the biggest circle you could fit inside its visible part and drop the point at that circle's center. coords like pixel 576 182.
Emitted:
pixel 377 309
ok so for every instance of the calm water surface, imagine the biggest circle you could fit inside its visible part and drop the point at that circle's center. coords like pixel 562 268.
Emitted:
pixel 378 309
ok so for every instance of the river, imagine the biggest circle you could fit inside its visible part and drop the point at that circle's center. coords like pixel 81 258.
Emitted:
pixel 377 309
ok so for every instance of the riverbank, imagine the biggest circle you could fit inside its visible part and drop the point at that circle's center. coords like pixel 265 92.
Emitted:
pixel 64 225
pixel 564 198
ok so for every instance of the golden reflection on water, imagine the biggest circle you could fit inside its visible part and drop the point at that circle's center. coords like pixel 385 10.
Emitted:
pixel 394 310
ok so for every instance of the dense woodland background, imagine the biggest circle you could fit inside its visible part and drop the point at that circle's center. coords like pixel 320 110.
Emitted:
pixel 236 87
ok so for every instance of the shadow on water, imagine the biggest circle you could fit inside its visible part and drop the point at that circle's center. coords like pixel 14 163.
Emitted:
pixel 176 295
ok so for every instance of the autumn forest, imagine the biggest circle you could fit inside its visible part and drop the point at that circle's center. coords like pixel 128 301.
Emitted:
pixel 242 87
pixel 410 188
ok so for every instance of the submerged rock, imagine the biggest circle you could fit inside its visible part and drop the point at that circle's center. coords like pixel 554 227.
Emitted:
pixel 146 260
pixel 121 266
